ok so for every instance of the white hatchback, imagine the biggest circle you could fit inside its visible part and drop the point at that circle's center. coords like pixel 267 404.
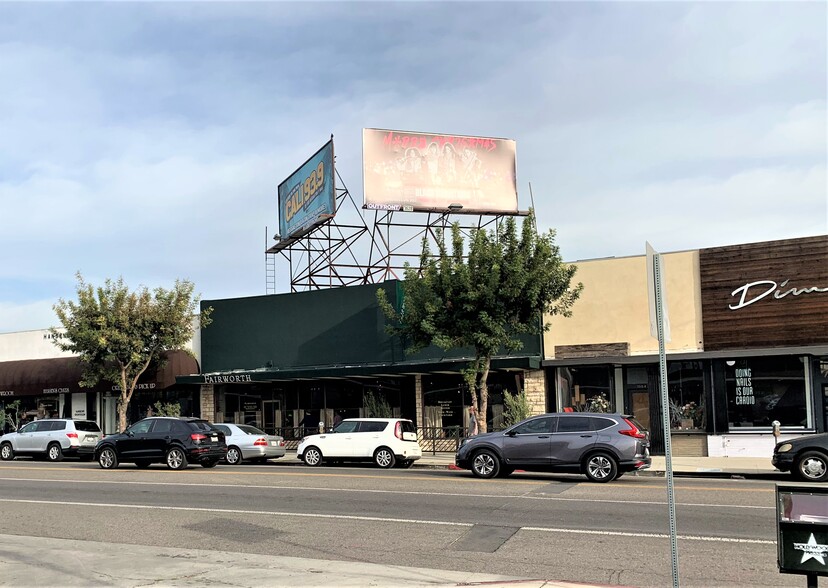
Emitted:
pixel 386 442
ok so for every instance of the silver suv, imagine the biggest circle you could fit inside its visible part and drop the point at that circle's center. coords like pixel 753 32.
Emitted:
pixel 53 439
pixel 601 446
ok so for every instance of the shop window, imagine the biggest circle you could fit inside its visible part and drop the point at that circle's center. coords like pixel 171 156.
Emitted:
pixel 685 386
pixel 766 389
pixel 586 389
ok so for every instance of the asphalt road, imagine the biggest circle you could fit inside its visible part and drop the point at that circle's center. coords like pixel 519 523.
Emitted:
pixel 534 526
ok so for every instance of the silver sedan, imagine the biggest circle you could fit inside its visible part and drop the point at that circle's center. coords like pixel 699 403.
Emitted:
pixel 246 442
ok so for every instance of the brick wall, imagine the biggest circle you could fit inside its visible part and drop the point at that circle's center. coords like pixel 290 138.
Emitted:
pixel 418 399
pixel 208 402
pixel 534 382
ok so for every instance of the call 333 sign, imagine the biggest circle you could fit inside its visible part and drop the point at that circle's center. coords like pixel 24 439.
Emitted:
pixel 308 196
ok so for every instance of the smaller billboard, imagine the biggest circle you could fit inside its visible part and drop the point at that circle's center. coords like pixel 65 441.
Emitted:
pixel 308 196
pixel 426 171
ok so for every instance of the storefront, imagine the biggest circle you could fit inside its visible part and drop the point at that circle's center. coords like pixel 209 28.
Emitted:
pixel 287 362
pixel 50 388
pixel 749 345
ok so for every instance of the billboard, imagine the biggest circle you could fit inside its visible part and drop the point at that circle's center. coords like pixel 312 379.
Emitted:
pixel 308 196
pixel 422 171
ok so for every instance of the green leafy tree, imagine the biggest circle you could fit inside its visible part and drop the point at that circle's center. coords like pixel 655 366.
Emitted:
pixel 484 300
pixel 119 333
pixel 169 409
pixel 10 415
pixel 516 407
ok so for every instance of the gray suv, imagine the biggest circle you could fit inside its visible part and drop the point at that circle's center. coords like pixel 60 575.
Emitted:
pixel 53 439
pixel 601 446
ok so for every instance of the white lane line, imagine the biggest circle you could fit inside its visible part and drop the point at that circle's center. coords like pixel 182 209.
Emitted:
pixel 383 520
pixel 651 535
pixel 409 492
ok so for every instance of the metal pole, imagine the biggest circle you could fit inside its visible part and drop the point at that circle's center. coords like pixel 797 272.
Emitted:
pixel 665 416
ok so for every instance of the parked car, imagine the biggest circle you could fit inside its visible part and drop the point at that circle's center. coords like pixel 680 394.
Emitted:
pixel 248 442
pixel 176 441
pixel 53 439
pixel 805 457
pixel 601 446
pixel 386 442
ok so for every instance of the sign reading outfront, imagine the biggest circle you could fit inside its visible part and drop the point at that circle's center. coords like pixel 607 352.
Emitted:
pixel 421 171
pixel 308 197
pixel 771 294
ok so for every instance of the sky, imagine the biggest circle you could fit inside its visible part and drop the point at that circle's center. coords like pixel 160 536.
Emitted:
pixel 147 140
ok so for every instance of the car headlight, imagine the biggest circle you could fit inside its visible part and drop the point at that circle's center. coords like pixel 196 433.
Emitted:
pixel 784 447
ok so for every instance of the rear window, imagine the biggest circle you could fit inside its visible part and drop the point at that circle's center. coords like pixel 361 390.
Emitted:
pixel 251 430
pixel 408 427
pixel 574 424
pixel 601 423
pixel 201 426
pixel 88 426
pixel 224 429
pixel 372 426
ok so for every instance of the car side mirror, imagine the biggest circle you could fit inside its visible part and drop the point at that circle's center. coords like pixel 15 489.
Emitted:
pixel 510 433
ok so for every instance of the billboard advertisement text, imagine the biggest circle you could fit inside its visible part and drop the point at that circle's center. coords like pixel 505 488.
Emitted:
pixel 308 196
pixel 422 171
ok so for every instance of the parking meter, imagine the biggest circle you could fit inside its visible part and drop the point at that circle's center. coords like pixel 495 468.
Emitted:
pixel 776 430
pixel 802 531
pixel 321 427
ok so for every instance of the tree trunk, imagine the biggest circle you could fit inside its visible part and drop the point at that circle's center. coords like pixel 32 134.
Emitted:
pixel 123 403
pixel 483 375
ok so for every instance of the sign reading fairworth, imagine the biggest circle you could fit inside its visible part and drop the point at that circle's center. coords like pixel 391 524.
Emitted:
pixel 423 171
pixel 308 197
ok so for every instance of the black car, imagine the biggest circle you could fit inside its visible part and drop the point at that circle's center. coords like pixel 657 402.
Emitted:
pixel 601 446
pixel 175 441
pixel 805 457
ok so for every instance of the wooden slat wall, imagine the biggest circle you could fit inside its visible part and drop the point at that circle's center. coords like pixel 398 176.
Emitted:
pixel 770 322
pixel 592 350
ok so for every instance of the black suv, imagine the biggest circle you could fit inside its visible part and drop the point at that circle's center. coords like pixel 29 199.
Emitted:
pixel 175 441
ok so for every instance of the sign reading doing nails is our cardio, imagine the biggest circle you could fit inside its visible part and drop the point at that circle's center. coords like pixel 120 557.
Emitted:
pixel 308 196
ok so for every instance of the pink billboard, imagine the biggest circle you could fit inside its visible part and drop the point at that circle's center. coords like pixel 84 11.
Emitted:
pixel 424 171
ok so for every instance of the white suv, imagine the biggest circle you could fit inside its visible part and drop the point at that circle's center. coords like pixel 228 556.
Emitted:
pixel 386 442
pixel 52 438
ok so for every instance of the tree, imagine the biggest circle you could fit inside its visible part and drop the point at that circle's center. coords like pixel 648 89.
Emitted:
pixel 376 406
pixel 485 300
pixel 516 407
pixel 10 415
pixel 118 334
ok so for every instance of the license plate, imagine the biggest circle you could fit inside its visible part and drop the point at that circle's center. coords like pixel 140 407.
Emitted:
pixel 274 443
pixel 213 439
pixel 91 438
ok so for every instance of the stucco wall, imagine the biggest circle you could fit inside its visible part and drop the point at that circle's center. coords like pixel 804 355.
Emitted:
pixel 613 305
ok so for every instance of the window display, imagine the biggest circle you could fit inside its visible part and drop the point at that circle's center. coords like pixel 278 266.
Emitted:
pixel 761 390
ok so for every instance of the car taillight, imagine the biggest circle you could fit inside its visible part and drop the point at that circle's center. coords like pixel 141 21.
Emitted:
pixel 398 430
pixel 72 435
pixel 198 437
pixel 260 441
pixel 281 443
pixel 632 431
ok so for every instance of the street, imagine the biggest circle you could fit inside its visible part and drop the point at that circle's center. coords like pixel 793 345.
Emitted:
pixel 555 527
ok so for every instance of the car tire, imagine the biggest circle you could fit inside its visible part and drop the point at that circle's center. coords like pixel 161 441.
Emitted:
pixel 485 464
pixel 210 463
pixel 6 452
pixel 142 464
pixel 234 455
pixel 54 452
pixel 108 459
pixel 312 456
pixel 812 466
pixel 384 458
pixel 601 467
pixel 176 459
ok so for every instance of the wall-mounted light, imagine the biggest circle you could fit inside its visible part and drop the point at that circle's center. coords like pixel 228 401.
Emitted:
pixel 730 362
pixel 454 206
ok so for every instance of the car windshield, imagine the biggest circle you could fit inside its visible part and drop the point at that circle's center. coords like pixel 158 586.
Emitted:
pixel 201 426
pixel 251 430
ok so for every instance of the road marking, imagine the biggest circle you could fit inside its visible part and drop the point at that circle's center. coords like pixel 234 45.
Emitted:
pixel 382 520
pixel 403 492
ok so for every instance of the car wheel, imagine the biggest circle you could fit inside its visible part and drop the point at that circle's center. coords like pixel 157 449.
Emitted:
pixel 6 452
pixel 142 464
pixel 176 460
pixel 812 466
pixel 601 467
pixel 485 464
pixel 312 456
pixel 107 459
pixel 234 455
pixel 54 452
pixel 384 458
pixel 210 463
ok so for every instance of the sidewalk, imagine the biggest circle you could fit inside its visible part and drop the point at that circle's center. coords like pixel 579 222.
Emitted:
pixel 44 561
pixel 682 466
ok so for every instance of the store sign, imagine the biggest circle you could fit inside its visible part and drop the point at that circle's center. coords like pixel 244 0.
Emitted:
pixel 747 297
pixel 744 386
pixel 234 379
pixel 6 392
pixel 250 406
